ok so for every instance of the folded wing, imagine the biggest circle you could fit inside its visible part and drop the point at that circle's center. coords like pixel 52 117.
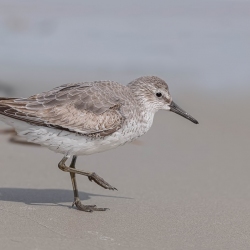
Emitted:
pixel 86 108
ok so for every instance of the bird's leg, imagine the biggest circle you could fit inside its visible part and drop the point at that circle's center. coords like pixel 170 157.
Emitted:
pixel 73 180
pixel 92 176
pixel 77 201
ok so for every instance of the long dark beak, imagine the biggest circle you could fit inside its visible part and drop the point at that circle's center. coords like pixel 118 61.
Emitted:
pixel 176 109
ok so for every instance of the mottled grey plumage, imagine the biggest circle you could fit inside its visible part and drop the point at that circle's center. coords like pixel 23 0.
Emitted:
pixel 86 108
pixel 96 116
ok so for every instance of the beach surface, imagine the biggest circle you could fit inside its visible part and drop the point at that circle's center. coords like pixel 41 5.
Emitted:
pixel 181 186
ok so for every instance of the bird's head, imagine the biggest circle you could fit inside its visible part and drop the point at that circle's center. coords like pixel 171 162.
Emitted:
pixel 153 93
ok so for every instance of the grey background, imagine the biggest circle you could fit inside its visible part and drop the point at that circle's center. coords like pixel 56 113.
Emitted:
pixel 183 186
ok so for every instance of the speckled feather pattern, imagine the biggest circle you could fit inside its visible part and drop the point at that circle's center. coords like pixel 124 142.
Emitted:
pixel 85 118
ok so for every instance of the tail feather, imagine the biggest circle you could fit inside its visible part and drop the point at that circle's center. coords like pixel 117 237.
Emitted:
pixel 6 98
pixel 6 108
pixel 10 108
pixel 4 101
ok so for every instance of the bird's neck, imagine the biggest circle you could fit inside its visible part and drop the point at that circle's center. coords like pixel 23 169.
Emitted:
pixel 142 98
pixel 145 109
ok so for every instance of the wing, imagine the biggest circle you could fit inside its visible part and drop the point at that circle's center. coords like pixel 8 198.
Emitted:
pixel 86 108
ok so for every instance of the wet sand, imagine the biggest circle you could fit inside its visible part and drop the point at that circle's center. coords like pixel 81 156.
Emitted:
pixel 184 187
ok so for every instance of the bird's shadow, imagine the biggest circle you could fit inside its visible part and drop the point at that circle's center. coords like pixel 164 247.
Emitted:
pixel 44 196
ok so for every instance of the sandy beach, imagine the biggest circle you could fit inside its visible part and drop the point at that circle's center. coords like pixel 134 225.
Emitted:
pixel 182 186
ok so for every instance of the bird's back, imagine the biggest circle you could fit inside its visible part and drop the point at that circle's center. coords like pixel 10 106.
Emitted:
pixel 91 110
pixel 87 108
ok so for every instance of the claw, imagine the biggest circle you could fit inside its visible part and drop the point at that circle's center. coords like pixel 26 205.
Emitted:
pixel 100 181
pixel 87 208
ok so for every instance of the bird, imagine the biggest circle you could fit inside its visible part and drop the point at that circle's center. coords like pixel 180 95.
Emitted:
pixel 84 118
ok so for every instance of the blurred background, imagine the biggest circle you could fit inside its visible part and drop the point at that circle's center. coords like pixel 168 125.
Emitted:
pixel 196 177
pixel 203 44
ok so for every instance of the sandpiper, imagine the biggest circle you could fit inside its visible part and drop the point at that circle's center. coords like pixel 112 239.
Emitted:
pixel 90 117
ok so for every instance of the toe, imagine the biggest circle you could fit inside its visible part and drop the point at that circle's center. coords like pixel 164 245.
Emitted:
pixel 100 209
pixel 87 208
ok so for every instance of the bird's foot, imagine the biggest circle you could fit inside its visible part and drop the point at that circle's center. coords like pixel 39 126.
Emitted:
pixel 86 208
pixel 97 179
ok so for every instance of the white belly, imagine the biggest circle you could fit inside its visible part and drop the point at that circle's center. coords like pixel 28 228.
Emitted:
pixel 69 143
pixel 65 142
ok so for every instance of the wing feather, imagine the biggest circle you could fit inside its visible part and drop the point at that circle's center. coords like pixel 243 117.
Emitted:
pixel 87 108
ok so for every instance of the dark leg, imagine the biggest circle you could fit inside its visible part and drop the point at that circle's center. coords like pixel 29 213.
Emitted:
pixel 92 176
pixel 77 201
pixel 73 179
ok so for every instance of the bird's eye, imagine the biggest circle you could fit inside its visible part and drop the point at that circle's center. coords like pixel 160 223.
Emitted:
pixel 158 94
